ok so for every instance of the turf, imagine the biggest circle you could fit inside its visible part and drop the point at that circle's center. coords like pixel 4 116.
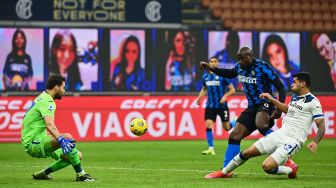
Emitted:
pixel 165 164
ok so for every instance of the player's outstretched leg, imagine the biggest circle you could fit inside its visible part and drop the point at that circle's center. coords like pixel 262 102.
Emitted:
pixel 237 134
pixel 270 166
pixel 238 160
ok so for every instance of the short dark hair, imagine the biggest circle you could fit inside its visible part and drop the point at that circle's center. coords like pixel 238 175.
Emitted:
pixel 54 80
pixel 303 76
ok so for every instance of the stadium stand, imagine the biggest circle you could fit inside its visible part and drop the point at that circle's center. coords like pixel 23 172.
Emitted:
pixel 287 15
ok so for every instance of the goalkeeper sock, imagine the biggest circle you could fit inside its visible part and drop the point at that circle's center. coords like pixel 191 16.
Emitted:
pixel 57 165
pixel 75 161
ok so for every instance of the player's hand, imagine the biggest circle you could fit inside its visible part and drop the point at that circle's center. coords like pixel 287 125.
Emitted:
pixel 276 113
pixel 204 65
pixel 223 99
pixel 66 144
pixel 265 96
pixel 198 101
pixel 312 146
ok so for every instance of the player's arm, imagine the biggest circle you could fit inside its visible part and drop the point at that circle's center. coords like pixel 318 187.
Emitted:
pixel 281 106
pixel 226 73
pixel 319 121
pixel 231 91
pixel 201 94
pixel 51 127
pixel 277 83
pixel 319 135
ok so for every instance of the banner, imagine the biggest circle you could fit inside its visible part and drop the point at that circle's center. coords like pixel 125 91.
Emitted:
pixel 106 118
pixel 122 11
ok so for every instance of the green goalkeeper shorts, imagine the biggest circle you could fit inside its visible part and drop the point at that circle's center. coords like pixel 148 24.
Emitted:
pixel 41 148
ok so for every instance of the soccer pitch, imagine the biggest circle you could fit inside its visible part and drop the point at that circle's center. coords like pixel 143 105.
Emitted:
pixel 165 164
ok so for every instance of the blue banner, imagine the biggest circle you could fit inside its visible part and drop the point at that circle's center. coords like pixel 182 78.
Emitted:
pixel 121 11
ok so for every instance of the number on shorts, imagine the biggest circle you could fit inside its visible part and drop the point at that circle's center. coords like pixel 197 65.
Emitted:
pixel 225 114
pixel 290 148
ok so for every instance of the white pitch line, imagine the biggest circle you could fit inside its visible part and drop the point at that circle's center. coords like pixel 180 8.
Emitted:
pixel 166 170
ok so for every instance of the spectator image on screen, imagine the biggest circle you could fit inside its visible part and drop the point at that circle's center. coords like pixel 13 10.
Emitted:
pixel 326 48
pixel 278 49
pixel 127 61
pixel 181 66
pixel 224 46
pixel 21 56
pixel 73 54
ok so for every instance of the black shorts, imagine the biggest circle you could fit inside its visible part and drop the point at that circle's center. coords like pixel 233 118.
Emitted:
pixel 211 113
pixel 247 117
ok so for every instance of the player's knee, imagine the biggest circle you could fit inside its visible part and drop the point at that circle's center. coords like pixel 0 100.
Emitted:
pixel 267 168
pixel 247 154
pixel 67 136
pixel 226 126
pixel 235 137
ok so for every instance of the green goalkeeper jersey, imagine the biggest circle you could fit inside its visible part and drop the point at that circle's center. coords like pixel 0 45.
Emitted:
pixel 34 127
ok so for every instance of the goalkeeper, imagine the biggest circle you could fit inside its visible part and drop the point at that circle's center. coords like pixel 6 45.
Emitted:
pixel 38 120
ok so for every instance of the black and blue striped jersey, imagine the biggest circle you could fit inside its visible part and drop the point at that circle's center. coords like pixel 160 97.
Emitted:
pixel 256 79
pixel 216 88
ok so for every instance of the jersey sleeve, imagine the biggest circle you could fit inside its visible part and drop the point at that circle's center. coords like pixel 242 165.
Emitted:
pixel 47 108
pixel 316 109
pixel 269 72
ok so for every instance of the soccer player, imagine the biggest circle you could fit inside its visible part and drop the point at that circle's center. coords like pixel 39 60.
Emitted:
pixel 215 87
pixel 282 144
pixel 257 77
pixel 38 120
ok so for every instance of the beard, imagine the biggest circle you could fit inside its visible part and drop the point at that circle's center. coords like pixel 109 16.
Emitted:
pixel 58 96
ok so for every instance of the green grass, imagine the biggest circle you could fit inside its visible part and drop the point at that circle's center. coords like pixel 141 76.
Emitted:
pixel 165 164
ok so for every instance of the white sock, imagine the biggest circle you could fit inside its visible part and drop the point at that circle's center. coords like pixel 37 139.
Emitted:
pixel 211 148
pixel 233 164
pixel 82 173
pixel 284 170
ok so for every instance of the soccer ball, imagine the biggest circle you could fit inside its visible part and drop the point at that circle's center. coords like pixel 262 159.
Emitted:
pixel 138 126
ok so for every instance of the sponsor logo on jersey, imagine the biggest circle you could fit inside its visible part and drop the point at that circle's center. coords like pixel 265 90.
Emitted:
pixel 247 79
pixel 296 106
pixel 212 83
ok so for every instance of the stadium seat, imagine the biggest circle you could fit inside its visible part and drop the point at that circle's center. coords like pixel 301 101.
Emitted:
pixel 247 14
pixel 226 14
pixel 285 5
pixel 267 14
pixel 328 26
pixel 295 5
pixel 315 5
pixel 308 26
pixel 297 15
pixel 226 4
pixel 237 13
pixel 285 15
pixel 267 5
pixel 206 3
pixel 257 15
pixel 305 5
pixel 278 25
pixel 318 26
